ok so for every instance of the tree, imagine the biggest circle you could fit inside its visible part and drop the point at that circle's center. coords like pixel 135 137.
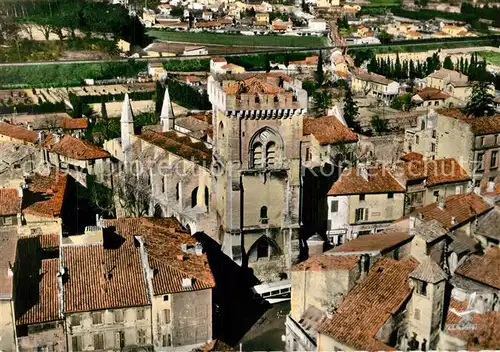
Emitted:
pixel 322 101
pixel 402 103
pixel 320 75
pixel 447 63
pixel 481 101
pixel 351 110
pixel 267 63
pixel 373 65
pixel 379 125
pixel 133 191
pixel 385 37
pixel 398 69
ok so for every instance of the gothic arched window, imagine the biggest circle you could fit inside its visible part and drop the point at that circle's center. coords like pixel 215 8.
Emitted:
pixel 257 155
pixel 265 149
pixel 270 154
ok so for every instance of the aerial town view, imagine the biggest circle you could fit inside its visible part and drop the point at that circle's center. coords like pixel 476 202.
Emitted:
pixel 249 175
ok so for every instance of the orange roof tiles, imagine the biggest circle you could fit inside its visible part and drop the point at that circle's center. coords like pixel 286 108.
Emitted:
pixel 74 148
pixel 102 278
pixel 218 59
pixel 380 180
pixel 50 241
pixel 327 262
pixel 462 207
pixel 74 124
pixel 411 156
pixel 369 304
pixel 435 171
pixel 163 239
pixel 479 126
pixel 45 195
pixel 10 202
pixel 482 268
pixel 329 130
pixel 484 334
pixel 37 292
pixel 432 94
pixel 17 132
pixel 371 243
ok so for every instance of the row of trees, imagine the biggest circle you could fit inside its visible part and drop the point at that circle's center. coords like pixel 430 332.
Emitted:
pixel 66 17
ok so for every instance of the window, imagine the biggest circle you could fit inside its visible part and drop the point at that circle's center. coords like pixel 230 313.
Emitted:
pixel 140 314
pixel 334 206
pixel 7 221
pixel 480 157
pixel 221 129
pixel 329 224
pixel 257 155
pixel 119 339
pixel 164 184
pixel 481 141
pixel 165 298
pixel 477 183
pixel 308 157
pixel 167 340
pixel 417 314
pixel 76 342
pixel 422 288
pixel 166 316
pixel 433 147
pixel 436 103
pixel 390 195
pixel 97 318
pixel 271 154
pixel 434 133
pixel 118 316
pixel 361 197
pixel 177 191
pixel 263 215
pixel 141 337
pixel 493 160
pixel 98 342
pixel 422 124
pixel 361 214
pixel 75 320
pixel 417 140
pixel 436 193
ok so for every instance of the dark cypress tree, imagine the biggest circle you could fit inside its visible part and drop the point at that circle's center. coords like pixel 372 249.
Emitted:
pixel 447 63
pixel 406 70
pixel 372 65
pixel 398 68
pixel 320 74
pixel 350 109
pixel 412 70
pixel 481 102
pixel 466 66
pixel 267 63
pixel 461 64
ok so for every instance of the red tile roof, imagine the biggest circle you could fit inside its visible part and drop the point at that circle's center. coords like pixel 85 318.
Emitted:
pixel 479 126
pixel 10 202
pixel 50 241
pixel 329 130
pixel 432 94
pixel 74 148
pixel 484 334
pixel 37 293
pixel 75 124
pixel 218 59
pixel 8 243
pixel 373 243
pixel 435 171
pixel 327 262
pixel 380 180
pixel 45 195
pixel 369 304
pixel 103 278
pixel 462 207
pixel 482 268
pixel 163 240
pixel 411 156
pixel 17 132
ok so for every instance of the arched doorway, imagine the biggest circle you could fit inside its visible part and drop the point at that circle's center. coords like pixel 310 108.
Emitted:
pixel 263 248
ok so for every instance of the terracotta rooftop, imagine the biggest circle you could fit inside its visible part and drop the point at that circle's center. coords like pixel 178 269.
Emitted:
pixel 75 124
pixel 452 74
pixel 218 59
pixel 380 180
pixel 18 132
pixel 74 148
pixel 163 239
pixel 412 156
pixel 10 202
pixel 372 77
pixel 179 144
pixel 373 243
pixel 37 293
pixel 113 278
pixel 429 271
pixel 479 126
pixel 45 195
pixel 429 93
pixel 485 334
pixel 50 241
pixel 435 172
pixel 327 262
pixel 370 304
pixel 329 130
pixel 462 207
pixel 8 243
pixel 482 268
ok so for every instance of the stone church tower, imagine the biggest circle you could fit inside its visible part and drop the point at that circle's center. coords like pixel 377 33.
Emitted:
pixel 126 125
pixel 256 168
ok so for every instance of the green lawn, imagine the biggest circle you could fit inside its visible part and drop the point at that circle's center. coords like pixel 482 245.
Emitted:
pixel 238 40
pixel 491 57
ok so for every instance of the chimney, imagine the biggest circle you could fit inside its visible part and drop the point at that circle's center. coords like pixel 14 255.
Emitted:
pixel 453 221
pixel 180 257
pixel 441 203
pixel 364 265
pixel 363 171
pixel 20 192
pixel 187 283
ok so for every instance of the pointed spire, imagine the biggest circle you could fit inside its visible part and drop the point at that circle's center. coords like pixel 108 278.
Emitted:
pixel 167 113
pixel 127 115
